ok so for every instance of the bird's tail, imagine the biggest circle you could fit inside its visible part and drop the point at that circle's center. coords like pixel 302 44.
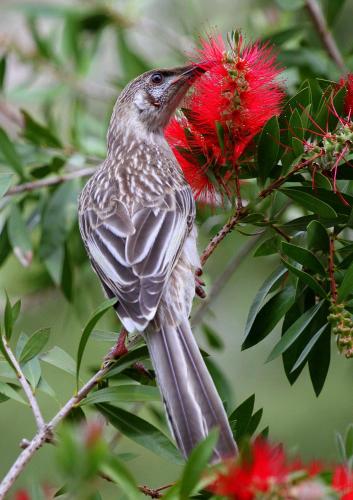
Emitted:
pixel 192 403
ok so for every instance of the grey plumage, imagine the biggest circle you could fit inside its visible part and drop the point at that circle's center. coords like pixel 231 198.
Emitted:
pixel 136 219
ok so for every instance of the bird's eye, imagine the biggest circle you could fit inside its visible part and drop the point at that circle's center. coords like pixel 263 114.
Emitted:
pixel 157 78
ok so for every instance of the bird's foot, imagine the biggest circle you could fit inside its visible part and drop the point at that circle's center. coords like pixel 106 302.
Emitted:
pixel 199 284
pixel 118 350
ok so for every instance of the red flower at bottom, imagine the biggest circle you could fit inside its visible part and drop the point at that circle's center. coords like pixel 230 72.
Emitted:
pixel 342 482
pixel 22 495
pixel 265 468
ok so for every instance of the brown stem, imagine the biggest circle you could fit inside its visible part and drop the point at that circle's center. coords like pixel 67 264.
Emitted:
pixel 331 268
pixel 50 181
pixel 325 34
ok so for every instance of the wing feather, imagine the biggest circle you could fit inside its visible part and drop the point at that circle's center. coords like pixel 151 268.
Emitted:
pixel 134 255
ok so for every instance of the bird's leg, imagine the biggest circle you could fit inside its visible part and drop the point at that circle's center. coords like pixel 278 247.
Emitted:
pixel 199 284
pixel 120 348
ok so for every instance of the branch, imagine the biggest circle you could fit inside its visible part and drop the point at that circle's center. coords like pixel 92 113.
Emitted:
pixel 50 181
pixel 25 386
pixel 223 279
pixel 46 430
pixel 325 34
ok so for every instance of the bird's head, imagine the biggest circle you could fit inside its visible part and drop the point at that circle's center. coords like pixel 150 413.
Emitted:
pixel 150 100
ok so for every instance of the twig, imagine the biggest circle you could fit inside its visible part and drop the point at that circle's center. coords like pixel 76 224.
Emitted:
pixel 46 430
pixel 223 279
pixel 25 386
pixel 50 181
pixel 331 269
pixel 325 34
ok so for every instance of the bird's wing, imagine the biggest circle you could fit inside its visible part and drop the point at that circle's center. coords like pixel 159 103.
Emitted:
pixel 134 255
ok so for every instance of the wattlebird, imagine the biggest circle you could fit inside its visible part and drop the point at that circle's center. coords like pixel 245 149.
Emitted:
pixel 136 216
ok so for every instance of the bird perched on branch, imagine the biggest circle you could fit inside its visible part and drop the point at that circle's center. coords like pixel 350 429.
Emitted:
pixel 136 218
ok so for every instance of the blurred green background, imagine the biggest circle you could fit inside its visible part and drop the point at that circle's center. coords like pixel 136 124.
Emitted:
pixel 145 34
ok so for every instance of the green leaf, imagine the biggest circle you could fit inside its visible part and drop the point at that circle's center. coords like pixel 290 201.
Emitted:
pixel 5 183
pixel 86 332
pixel 241 417
pixel 220 135
pixel 306 278
pixel 346 287
pixel 222 384
pixel 290 4
pixel 9 392
pixel 35 344
pixel 310 202
pixel 268 246
pixel 128 359
pixel 39 134
pixel 60 359
pixel 19 237
pixel 317 236
pixel 141 431
pixel 304 257
pixel 274 278
pixel 58 218
pixel 269 315
pixel 213 339
pixel 122 393
pixel 349 441
pixel 8 318
pixel 196 464
pixel 332 10
pixel 117 471
pixel 305 352
pixel 2 72
pixel 268 147
pixel 296 133
pixel 32 371
pixel 319 361
pixel 294 331
pixel 10 154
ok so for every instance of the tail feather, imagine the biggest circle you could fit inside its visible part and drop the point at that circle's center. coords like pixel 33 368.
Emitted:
pixel 192 403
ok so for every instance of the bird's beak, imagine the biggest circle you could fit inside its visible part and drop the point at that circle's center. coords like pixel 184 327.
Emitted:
pixel 187 74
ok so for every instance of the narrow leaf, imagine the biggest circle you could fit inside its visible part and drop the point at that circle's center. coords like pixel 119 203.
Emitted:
pixel 123 393
pixel 304 257
pixel 274 278
pixel 10 154
pixel 5 183
pixel 307 279
pixel 19 237
pixel 346 287
pixel 196 464
pixel 310 202
pixel 35 344
pixel 98 313
pixel 268 147
pixel 60 359
pixel 304 354
pixel 9 392
pixel 141 431
pixel 117 471
pixel 294 331
pixel 139 354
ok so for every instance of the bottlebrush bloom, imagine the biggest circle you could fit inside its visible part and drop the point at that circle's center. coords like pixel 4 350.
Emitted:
pixel 259 473
pixel 229 105
pixel 22 495
pixel 342 482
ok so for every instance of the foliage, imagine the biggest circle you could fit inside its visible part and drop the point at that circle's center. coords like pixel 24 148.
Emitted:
pixel 293 185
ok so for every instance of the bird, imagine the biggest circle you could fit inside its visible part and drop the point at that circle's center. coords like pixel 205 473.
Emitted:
pixel 137 222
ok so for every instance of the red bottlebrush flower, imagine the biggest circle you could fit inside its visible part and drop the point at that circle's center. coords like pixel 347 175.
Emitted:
pixel 230 104
pixel 342 482
pixel 244 480
pixel 22 495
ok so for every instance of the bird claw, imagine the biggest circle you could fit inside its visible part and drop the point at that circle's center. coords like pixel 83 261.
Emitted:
pixel 118 350
pixel 199 284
